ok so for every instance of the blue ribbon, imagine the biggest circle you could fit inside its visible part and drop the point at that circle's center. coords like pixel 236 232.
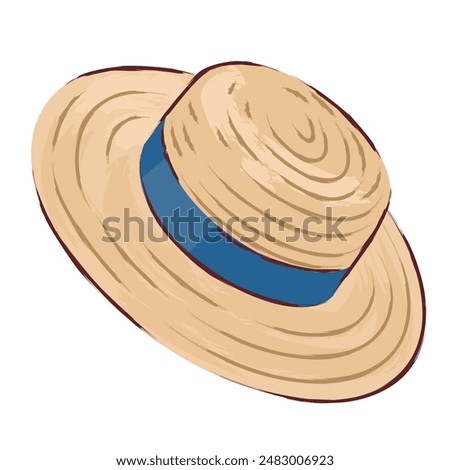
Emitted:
pixel 217 252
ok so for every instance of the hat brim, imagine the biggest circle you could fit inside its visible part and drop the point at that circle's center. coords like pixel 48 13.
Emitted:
pixel 86 152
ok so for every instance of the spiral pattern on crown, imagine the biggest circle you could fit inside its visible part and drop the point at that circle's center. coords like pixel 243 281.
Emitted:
pixel 277 165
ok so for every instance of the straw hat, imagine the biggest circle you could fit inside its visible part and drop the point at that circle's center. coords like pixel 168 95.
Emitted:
pixel 308 290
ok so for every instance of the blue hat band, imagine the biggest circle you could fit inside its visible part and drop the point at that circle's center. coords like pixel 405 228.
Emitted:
pixel 217 252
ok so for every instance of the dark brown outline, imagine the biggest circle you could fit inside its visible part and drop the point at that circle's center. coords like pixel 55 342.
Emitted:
pixel 356 125
pixel 127 68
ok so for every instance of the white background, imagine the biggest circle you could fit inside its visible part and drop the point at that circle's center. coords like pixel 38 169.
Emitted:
pixel 80 385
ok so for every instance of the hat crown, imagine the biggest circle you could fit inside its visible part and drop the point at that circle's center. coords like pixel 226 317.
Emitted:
pixel 282 168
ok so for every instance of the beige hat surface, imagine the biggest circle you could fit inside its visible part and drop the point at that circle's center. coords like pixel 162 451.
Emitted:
pixel 321 300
